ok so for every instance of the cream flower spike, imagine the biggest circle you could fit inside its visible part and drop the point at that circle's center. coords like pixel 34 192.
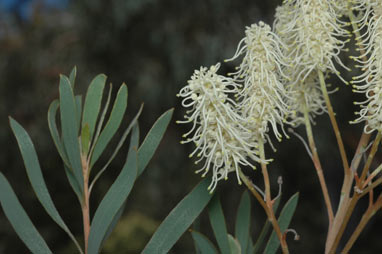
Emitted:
pixel 220 140
pixel 370 81
pixel 302 94
pixel 305 95
pixel 262 97
pixel 314 30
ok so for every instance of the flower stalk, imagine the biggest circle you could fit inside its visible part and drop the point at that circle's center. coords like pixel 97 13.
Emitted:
pixel 348 175
pixel 318 167
pixel 268 208
pixel 268 200
pixel 334 124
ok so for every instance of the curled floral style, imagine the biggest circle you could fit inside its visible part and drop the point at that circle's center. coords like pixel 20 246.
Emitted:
pixel 370 81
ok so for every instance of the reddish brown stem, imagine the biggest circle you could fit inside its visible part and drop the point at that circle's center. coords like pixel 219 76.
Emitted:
pixel 334 123
pixel 268 199
pixel 370 158
pixel 268 210
pixel 364 220
pixel 85 205
pixel 318 167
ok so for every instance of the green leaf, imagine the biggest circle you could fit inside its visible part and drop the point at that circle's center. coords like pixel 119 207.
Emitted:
pixel 114 199
pixel 60 148
pixel 35 176
pixel 93 102
pixel 69 129
pixel 134 122
pixel 203 244
pixel 78 100
pixel 243 222
pixel 20 220
pixel 114 222
pixel 73 183
pixel 54 132
pixel 112 124
pixel 250 247
pixel 102 118
pixel 218 224
pixel 152 140
pixel 234 245
pixel 133 142
pixel 72 76
pixel 284 220
pixel 180 218
pixel 85 139
pixel 260 240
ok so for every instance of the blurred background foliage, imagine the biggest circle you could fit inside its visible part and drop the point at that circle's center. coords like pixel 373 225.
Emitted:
pixel 153 46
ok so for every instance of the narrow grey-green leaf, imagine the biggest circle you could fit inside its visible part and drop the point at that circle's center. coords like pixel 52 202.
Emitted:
pixel 85 139
pixel 114 222
pixel 133 123
pixel 60 148
pixel 284 220
pixel 35 176
pixel 54 131
pixel 179 219
pixel 93 102
pixel 102 118
pixel 218 224
pixel 20 220
pixel 72 76
pixel 250 247
pixel 114 199
pixel 234 245
pixel 78 99
pixel 73 183
pixel 260 240
pixel 112 124
pixel 133 142
pixel 243 222
pixel 203 244
pixel 69 129
pixel 152 140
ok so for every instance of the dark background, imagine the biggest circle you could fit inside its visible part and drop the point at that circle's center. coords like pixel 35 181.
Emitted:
pixel 154 46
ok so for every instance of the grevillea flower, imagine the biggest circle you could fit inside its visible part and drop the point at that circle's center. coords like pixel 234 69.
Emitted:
pixel 221 140
pixel 313 30
pixel 305 95
pixel 302 94
pixel 370 81
pixel 261 101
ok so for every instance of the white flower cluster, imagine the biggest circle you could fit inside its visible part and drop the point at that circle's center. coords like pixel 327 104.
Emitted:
pixel 217 132
pixel 305 95
pixel 262 97
pixel 276 80
pixel 311 32
pixel 370 81
pixel 227 132
pixel 315 32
